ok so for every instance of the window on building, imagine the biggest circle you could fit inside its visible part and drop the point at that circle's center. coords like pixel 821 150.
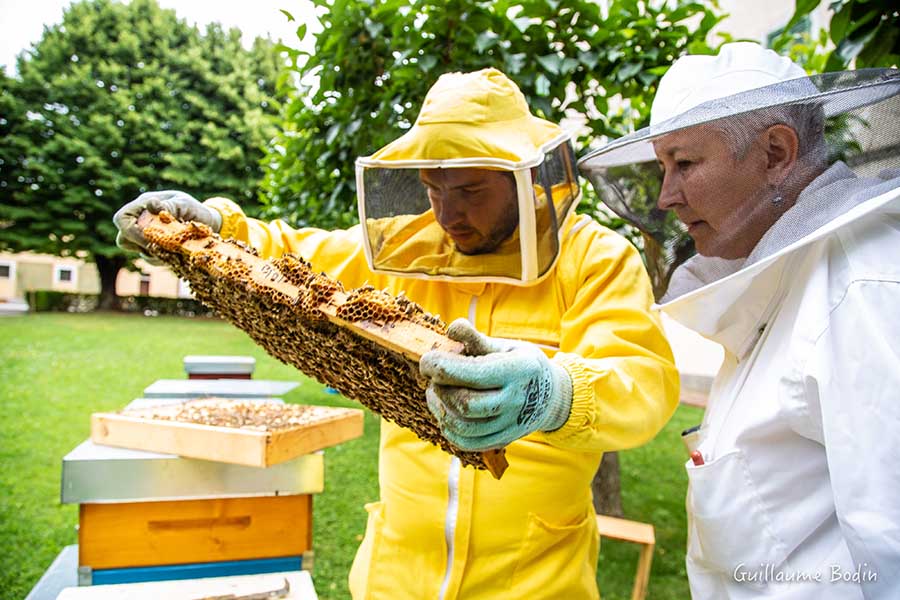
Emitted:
pixel 65 275
pixel 145 285
pixel 8 270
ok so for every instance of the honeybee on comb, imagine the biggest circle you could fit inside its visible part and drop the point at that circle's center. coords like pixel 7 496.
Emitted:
pixel 365 343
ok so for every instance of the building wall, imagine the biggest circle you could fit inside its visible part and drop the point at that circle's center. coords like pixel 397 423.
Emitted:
pixel 8 277
pixel 162 283
pixel 756 20
pixel 28 271
pixel 88 278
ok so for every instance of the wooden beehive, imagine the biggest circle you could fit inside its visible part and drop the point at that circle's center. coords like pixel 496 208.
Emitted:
pixel 147 534
pixel 365 343
pixel 243 432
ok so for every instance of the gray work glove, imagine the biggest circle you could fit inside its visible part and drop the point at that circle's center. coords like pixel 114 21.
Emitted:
pixel 507 390
pixel 180 205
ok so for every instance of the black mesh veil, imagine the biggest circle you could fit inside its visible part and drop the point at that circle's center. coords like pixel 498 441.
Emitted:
pixel 441 220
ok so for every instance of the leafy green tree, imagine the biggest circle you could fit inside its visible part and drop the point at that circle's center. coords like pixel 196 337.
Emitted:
pixel 374 61
pixel 864 31
pixel 12 111
pixel 121 99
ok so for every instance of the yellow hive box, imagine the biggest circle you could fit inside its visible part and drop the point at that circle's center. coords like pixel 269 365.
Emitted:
pixel 139 534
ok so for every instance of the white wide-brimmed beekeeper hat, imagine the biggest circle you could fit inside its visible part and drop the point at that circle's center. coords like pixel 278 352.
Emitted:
pixel 742 78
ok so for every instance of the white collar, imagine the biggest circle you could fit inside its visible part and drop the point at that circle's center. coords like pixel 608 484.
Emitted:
pixel 728 301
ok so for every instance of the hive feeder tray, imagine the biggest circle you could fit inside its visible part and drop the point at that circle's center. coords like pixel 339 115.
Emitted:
pixel 363 342
pixel 244 432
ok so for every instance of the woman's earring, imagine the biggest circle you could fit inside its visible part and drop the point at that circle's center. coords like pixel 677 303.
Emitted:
pixel 777 199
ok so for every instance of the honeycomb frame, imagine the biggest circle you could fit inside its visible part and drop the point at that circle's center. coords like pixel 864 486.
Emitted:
pixel 363 342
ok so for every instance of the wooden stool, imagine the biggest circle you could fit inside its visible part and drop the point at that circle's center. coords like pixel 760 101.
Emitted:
pixel 637 533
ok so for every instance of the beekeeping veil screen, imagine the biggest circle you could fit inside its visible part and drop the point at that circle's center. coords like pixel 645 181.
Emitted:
pixel 709 114
pixel 478 189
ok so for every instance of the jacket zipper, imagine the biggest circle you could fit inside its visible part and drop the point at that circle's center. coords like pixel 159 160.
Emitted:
pixel 450 520
pixel 452 514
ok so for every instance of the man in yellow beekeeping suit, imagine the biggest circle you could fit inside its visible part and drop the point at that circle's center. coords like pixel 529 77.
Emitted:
pixel 471 214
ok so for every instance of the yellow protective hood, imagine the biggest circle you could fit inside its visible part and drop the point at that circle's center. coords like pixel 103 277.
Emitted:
pixel 479 115
pixel 476 120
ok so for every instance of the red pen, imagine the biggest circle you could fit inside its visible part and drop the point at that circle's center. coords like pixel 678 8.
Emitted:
pixel 696 458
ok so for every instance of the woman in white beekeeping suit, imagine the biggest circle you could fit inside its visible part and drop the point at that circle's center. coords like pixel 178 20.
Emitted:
pixel 789 188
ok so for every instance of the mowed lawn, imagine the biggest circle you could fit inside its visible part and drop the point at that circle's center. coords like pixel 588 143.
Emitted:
pixel 56 369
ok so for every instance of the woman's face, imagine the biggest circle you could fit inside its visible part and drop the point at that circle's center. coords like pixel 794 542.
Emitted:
pixel 724 201
pixel 477 208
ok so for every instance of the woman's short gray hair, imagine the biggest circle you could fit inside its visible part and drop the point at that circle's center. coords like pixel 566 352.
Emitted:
pixel 807 120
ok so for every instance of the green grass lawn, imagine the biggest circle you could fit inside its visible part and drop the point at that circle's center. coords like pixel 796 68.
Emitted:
pixel 56 369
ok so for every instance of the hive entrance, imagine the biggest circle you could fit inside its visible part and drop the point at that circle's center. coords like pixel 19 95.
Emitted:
pixel 363 342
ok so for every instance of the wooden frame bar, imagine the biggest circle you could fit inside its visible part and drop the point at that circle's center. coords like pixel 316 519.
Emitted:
pixel 226 444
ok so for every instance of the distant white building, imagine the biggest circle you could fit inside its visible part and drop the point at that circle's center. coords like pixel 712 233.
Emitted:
pixel 28 271
pixel 759 20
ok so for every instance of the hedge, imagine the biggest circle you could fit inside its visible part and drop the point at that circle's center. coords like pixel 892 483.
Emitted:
pixel 54 301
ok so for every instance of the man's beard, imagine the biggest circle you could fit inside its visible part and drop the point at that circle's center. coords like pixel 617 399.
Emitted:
pixel 497 237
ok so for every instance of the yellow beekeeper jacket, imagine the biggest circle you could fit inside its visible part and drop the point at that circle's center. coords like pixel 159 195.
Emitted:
pixel 441 531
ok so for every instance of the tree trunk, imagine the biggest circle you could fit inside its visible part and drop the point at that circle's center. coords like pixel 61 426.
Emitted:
pixel 108 267
pixel 661 262
pixel 607 488
pixel 657 266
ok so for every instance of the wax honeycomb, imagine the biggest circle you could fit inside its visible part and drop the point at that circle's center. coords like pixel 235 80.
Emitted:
pixel 243 414
pixel 295 330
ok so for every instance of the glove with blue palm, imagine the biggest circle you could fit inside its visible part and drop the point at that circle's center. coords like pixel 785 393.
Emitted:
pixel 497 392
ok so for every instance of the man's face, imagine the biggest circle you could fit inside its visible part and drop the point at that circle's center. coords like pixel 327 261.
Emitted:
pixel 723 200
pixel 476 207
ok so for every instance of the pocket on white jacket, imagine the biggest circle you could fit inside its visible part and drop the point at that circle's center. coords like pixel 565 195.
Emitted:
pixel 729 528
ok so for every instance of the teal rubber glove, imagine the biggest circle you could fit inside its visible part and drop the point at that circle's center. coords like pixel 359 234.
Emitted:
pixel 497 392
pixel 180 205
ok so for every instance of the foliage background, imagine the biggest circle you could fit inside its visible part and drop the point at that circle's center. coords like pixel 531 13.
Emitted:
pixel 119 99
pixel 861 33
pixel 374 61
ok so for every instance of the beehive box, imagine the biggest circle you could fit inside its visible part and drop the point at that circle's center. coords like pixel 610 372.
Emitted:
pixel 219 367
pixel 363 342
pixel 148 534
pixel 233 431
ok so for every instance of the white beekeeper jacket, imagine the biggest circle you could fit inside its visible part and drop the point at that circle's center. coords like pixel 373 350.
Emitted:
pixel 799 496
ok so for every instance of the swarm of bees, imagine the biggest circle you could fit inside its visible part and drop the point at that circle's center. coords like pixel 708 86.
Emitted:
pixel 279 303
